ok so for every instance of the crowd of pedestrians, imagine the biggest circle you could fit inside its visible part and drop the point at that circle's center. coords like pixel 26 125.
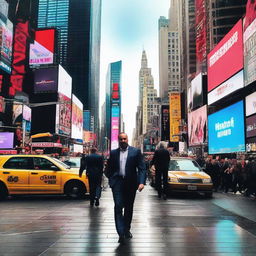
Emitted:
pixel 231 175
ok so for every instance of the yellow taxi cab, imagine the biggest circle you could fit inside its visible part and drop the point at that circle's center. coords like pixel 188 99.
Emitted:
pixel 39 174
pixel 185 175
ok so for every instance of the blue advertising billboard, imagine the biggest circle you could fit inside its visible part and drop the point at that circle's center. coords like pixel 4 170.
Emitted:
pixel 226 130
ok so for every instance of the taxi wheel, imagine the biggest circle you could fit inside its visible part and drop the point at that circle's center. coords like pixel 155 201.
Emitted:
pixel 75 190
pixel 3 191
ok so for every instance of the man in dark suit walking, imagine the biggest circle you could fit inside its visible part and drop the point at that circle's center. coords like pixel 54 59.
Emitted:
pixel 161 161
pixel 126 172
pixel 93 164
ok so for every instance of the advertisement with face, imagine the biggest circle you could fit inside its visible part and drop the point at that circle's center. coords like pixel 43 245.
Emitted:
pixel 6 39
pixel 249 38
pixel 197 126
pixel 251 126
pixel 226 130
pixel 233 84
pixel 197 91
pixel 6 139
pixel 46 80
pixel 77 118
pixel 220 68
pixel 115 112
pixel 250 103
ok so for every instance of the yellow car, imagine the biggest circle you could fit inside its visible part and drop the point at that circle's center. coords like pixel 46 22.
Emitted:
pixel 185 175
pixel 39 174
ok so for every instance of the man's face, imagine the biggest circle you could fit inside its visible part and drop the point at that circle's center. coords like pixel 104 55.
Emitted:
pixel 123 141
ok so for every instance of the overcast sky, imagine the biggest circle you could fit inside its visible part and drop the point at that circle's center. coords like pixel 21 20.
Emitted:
pixel 128 27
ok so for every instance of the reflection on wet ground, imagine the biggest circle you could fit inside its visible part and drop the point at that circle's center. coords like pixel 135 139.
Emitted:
pixel 181 225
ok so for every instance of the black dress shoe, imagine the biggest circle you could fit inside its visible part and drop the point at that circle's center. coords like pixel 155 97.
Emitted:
pixel 97 202
pixel 121 240
pixel 128 235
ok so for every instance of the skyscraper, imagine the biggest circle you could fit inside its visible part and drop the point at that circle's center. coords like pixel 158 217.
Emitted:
pixel 78 24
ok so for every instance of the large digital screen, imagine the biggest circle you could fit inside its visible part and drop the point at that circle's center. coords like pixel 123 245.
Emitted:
pixel 6 139
pixel 39 55
pixel 197 91
pixel 251 126
pixel 250 104
pixel 77 118
pixel 115 113
pixel 249 38
pixel 64 82
pixel 233 84
pixel 220 66
pixel 175 116
pixel 6 40
pixel 26 113
pixel 197 126
pixel 189 99
pixel 226 130
pixel 46 80
pixel 201 32
pixel 46 38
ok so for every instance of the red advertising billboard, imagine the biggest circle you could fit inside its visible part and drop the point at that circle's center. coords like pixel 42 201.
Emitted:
pixel 226 58
pixel 201 32
pixel 46 38
pixel 197 123
pixel 19 57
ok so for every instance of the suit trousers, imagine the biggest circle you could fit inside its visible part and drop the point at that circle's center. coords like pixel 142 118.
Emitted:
pixel 162 181
pixel 124 196
pixel 95 187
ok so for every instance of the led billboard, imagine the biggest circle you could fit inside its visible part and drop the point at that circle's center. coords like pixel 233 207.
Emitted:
pixel 39 55
pixel 6 139
pixel 251 126
pixel 63 109
pixel 249 38
pixel 233 84
pixel 6 40
pixel 165 122
pixel 46 38
pixel 197 126
pixel 201 32
pixel 77 118
pixel 175 116
pixel 46 80
pixel 197 91
pixel 26 113
pixel 115 113
pixel 250 104
pixel 226 130
pixel 220 66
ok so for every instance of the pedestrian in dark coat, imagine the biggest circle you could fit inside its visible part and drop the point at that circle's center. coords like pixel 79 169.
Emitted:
pixel 126 172
pixel 161 161
pixel 93 164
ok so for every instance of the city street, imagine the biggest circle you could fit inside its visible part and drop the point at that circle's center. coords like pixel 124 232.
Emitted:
pixel 181 225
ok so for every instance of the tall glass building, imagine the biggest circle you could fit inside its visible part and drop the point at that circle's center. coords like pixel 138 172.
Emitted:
pixel 78 24
pixel 56 14
pixel 113 103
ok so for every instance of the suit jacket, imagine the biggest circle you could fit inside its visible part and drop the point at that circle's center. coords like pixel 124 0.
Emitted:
pixel 93 164
pixel 135 170
pixel 161 159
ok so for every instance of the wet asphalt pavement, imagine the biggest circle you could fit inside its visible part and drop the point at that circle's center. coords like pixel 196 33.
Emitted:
pixel 180 225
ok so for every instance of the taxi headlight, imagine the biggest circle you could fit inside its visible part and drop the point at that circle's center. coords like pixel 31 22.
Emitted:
pixel 207 180
pixel 173 179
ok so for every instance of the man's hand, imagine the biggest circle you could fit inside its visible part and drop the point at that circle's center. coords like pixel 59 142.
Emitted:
pixel 80 175
pixel 141 186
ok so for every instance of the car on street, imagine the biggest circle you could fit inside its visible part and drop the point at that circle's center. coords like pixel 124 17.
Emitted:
pixel 39 174
pixel 185 175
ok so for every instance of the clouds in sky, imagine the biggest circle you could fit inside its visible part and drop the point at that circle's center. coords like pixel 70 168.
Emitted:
pixel 127 27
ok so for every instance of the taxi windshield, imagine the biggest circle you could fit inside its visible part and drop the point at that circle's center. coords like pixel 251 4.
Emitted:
pixel 61 163
pixel 184 165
